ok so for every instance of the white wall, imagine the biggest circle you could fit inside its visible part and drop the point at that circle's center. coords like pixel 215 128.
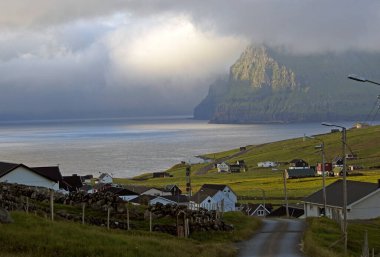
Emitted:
pixel 227 197
pixel 369 208
pixel 23 176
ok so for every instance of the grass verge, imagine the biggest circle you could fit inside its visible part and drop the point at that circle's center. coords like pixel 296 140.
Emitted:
pixel 321 233
pixel 35 236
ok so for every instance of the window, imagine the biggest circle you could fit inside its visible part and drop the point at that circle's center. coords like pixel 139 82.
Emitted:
pixel 260 213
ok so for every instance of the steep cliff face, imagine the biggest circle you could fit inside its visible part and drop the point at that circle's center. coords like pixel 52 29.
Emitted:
pixel 260 70
pixel 265 85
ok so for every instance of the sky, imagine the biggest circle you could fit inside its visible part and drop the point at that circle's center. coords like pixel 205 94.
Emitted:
pixel 116 58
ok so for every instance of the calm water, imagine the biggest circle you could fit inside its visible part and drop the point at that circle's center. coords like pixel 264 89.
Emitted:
pixel 127 147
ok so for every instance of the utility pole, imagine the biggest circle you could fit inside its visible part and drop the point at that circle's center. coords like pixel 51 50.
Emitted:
pixel 345 234
pixel 344 170
pixel 286 196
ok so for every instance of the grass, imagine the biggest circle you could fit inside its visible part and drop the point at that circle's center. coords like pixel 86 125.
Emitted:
pixel 322 233
pixel 363 142
pixel 35 236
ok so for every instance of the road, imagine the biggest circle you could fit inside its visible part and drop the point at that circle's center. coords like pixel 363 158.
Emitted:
pixel 276 238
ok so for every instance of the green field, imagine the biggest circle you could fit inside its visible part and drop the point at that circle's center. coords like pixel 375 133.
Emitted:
pixel 363 142
pixel 34 236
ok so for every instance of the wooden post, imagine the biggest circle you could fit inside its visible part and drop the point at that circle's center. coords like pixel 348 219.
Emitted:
pixel 83 208
pixel 286 195
pixel 27 204
pixel 52 204
pixel 150 221
pixel 108 217
pixel 128 218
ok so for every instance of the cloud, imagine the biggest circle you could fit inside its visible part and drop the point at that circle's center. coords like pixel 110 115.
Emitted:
pixel 88 58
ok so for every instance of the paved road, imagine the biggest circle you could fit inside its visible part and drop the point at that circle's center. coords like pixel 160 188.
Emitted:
pixel 277 238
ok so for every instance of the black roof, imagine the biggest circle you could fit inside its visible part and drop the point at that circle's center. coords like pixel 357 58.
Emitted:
pixel 355 191
pixel 6 166
pixel 176 198
pixel 51 172
pixel 137 188
pixel 120 191
pixel 73 181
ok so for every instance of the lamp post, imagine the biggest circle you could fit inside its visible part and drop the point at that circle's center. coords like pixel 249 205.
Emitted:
pixel 362 79
pixel 344 182
pixel 322 147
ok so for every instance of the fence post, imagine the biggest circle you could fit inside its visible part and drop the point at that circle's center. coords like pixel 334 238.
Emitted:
pixel 52 204
pixel 108 217
pixel 27 204
pixel 150 221
pixel 83 209
pixel 128 218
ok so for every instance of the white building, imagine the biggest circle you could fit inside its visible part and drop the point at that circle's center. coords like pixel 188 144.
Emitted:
pixel 363 201
pixel 24 175
pixel 266 164
pixel 223 167
pixel 214 197
pixel 105 178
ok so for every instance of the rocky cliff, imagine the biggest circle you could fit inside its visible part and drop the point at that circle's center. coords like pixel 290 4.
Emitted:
pixel 269 85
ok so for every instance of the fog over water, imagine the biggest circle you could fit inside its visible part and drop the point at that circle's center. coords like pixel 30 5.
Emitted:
pixel 128 147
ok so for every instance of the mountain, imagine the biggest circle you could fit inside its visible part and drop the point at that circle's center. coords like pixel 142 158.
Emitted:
pixel 273 85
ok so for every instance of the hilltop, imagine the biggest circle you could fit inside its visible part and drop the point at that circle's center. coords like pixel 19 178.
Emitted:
pixel 273 85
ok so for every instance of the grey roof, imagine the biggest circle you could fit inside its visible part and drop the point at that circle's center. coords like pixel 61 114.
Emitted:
pixel 355 191
pixel 299 173
pixel 137 188
pixel 176 198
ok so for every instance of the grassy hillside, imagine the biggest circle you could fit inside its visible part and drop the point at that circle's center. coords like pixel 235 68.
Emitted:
pixel 322 233
pixel 364 142
pixel 33 236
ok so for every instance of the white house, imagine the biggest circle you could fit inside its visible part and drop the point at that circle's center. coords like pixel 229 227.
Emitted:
pixel 259 210
pixel 363 201
pixel 223 167
pixel 215 197
pixel 267 164
pixel 24 175
pixel 105 178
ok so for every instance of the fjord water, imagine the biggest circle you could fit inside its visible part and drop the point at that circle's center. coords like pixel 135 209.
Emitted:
pixel 128 147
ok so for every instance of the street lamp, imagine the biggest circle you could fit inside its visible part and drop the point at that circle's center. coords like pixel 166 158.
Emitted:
pixel 362 79
pixel 322 147
pixel 344 182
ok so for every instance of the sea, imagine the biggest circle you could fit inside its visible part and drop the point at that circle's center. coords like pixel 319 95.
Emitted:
pixel 126 147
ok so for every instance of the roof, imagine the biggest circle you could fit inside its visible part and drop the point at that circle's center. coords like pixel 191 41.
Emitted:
pixel 73 181
pixel 137 189
pixel 176 198
pixel 6 166
pixel 300 172
pixel 120 191
pixel 213 186
pixel 142 199
pixel 205 191
pixel 355 191
pixel 103 175
pixel 296 160
pixel 169 188
pixel 51 172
